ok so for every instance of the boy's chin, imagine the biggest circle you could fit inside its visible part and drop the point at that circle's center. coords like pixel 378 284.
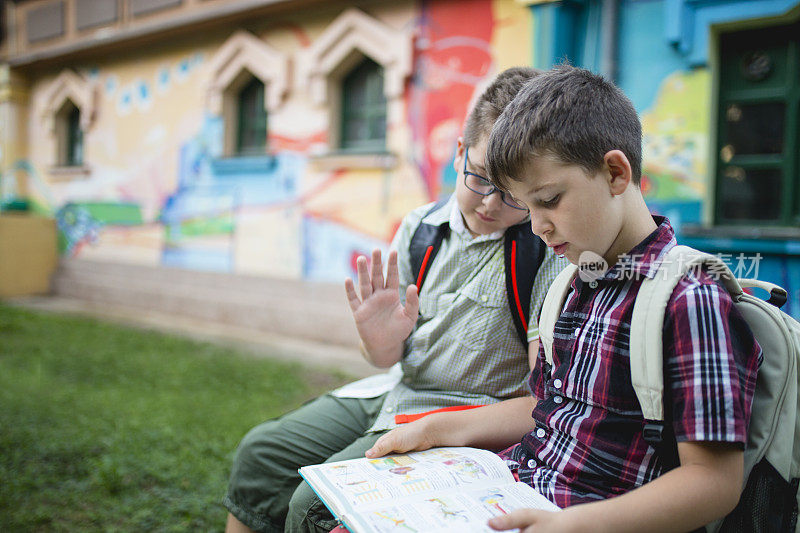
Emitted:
pixel 572 256
pixel 476 226
pixel 484 230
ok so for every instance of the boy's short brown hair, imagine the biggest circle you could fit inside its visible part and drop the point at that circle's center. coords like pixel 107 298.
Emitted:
pixel 569 113
pixel 493 100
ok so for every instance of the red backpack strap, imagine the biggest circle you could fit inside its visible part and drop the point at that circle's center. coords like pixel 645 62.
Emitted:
pixel 524 253
pixel 425 244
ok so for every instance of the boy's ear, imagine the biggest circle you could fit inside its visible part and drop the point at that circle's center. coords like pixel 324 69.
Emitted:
pixel 458 162
pixel 619 171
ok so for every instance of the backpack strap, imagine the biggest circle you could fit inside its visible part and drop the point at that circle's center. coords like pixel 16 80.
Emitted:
pixel 646 338
pixel 552 306
pixel 777 294
pixel 524 253
pixel 647 322
pixel 425 244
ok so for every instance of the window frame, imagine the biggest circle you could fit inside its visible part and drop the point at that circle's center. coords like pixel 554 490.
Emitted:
pixel 375 108
pixel 787 93
pixel 74 139
pixel 69 136
pixel 253 90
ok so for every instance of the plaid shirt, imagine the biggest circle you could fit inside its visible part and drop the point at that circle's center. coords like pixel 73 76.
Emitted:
pixel 464 349
pixel 588 443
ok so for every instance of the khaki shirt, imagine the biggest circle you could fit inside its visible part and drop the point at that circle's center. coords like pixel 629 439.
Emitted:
pixel 464 349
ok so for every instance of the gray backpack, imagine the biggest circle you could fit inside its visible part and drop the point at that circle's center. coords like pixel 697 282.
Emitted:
pixel 769 501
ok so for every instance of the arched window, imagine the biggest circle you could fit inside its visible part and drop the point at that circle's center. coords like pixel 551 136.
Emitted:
pixel 247 80
pixel 67 114
pixel 69 135
pixel 251 136
pixel 358 69
pixel 363 108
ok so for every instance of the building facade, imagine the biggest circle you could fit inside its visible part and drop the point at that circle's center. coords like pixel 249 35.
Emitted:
pixel 279 140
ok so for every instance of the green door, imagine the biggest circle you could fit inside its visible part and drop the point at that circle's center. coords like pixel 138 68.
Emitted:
pixel 757 147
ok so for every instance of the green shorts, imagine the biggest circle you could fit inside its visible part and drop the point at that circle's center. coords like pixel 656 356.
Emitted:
pixel 265 491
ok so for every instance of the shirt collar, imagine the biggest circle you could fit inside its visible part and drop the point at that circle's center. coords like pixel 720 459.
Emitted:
pixel 441 215
pixel 645 258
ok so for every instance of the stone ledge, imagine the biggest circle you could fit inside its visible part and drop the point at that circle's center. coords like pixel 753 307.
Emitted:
pixel 293 308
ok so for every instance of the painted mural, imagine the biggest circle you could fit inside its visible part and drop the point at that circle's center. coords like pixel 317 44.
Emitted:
pixel 160 190
pixel 673 104
pixel 675 140
pixel 675 134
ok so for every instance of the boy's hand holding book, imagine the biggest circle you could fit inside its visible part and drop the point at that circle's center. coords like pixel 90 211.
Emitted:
pixel 537 521
pixel 415 436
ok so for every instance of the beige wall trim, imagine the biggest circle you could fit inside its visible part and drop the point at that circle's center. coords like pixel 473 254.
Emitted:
pixel 69 85
pixel 336 161
pixel 14 105
pixel 351 33
pixel 244 51
pixel 13 86
pixel 59 173
pixel 196 13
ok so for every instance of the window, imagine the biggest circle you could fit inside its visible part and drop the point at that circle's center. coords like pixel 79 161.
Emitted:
pixel 757 181
pixel 70 136
pixel 363 108
pixel 251 136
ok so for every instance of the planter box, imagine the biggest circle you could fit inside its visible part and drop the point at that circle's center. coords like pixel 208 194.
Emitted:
pixel 28 254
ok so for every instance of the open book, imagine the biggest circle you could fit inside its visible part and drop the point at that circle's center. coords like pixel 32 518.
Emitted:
pixel 441 489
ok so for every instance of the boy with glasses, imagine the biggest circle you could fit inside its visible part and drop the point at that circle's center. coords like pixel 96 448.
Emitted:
pixel 569 148
pixel 455 339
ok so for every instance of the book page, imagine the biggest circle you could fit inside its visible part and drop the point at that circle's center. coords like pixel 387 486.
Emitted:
pixel 459 511
pixel 349 485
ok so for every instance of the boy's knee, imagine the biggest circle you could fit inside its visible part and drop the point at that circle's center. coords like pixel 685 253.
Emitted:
pixel 258 434
pixel 260 484
pixel 307 513
pixel 252 450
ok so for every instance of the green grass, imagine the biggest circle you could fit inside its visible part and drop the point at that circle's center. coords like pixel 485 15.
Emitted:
pixel 106 428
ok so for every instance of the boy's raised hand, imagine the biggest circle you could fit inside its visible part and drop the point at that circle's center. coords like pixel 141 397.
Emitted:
pixel 383 322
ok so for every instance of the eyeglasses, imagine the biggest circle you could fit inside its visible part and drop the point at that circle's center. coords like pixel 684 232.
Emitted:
pixel 480 185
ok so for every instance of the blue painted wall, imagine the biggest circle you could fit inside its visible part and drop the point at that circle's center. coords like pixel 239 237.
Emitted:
pixel 663 65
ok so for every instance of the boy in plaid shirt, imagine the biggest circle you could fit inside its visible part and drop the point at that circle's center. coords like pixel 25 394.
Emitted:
pixel 569 148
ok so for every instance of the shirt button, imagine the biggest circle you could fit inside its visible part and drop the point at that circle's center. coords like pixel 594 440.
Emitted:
pixel 541 433
pixel 389 409
pixel 531 463
pixel 577 331
pixel 593 284
pixel 484 298
pixel 558 399
pixel 557 383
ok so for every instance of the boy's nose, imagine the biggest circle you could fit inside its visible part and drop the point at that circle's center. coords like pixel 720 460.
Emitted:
pixel 540 225
pixel 493 201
